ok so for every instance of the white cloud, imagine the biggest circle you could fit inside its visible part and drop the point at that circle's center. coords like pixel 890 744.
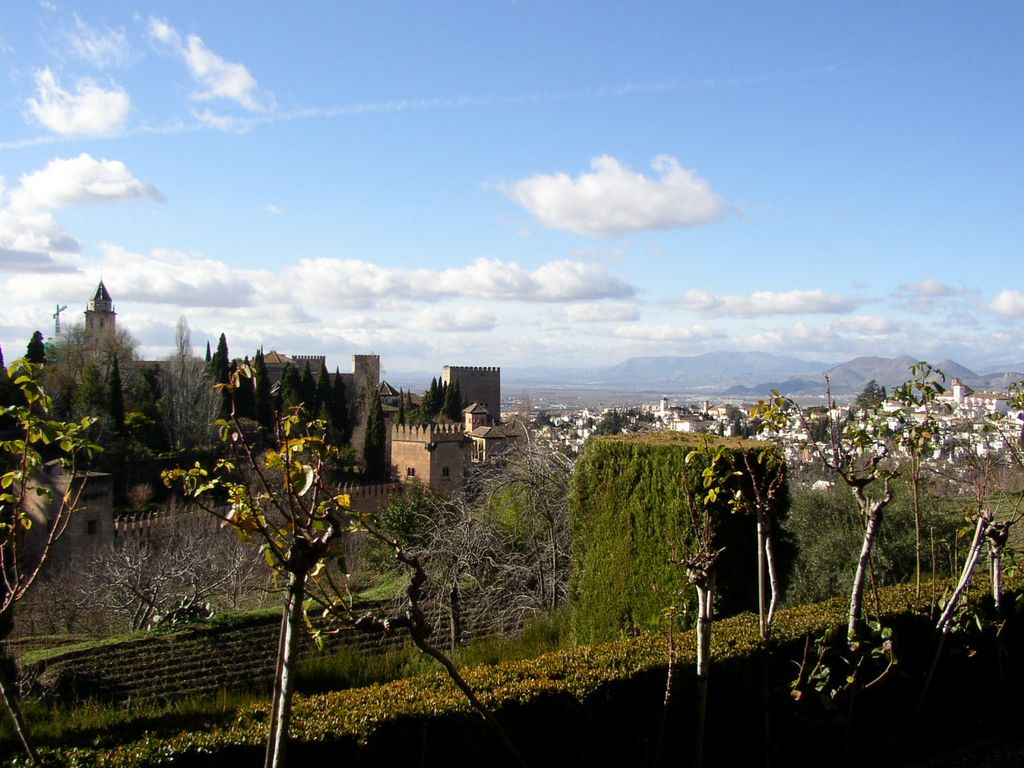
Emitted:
pixel 80 180
pixel 667 332
pixel 930 287
pixel 1009 303
pixel 761 303
pixel 27 225
pixel 271 208
pixel 31 262
pixel 866 325
pixel 101 48
pixel 216 77
pixel 599 312
pixel 614 200
pixel 183 279
pixel 354 283
pixel 89 111
pixel 453 319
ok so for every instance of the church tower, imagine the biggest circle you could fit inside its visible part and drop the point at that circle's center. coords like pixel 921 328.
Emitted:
pixel 100 315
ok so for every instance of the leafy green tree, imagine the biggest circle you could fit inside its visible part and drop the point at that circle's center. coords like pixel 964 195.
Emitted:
pixel 264 401
pixel 35 353
pixel 374 443
pixel 871 397
pixel 452 407
pixel 91 395
pixel 115 398
pixel 245 395
pixel 322 393
pixel 307 388
pixel 21 458
pixel 220 366
pixel 291 388
pixel 401 417
pixel 340 417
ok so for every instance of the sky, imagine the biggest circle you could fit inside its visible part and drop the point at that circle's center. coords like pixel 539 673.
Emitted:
pixel 518 182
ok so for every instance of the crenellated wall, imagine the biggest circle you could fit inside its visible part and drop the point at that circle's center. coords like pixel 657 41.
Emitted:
pixel 434 455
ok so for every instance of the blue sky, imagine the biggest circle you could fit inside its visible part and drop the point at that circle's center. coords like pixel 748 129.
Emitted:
pixel 518 183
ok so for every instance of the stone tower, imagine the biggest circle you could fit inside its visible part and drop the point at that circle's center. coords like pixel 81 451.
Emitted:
pixel 477 385
pixel 100 317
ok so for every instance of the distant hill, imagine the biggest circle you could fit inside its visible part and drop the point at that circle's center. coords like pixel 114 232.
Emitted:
pixel 850 377
pixel 713 372
pixel 743 374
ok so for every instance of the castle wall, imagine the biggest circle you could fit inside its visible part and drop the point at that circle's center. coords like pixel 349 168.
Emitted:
pixel 89 527
pixel 478 385
pixel 434 455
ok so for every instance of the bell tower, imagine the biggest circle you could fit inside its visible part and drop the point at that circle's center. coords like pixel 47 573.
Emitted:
pixel 100 317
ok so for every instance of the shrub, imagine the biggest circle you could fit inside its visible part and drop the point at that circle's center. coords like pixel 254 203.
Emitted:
pixel 630 521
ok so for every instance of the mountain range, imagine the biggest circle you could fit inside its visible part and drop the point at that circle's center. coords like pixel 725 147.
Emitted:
pixel 745 374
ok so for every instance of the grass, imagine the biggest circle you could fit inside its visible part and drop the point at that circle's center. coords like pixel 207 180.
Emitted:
pixel 97 724
pixel 220 622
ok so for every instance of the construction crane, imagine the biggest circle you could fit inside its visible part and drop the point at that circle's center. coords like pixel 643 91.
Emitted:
pixel 56 319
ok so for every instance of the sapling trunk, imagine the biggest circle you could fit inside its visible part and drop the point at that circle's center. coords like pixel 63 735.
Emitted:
pixel 288 643
pixel 705 607
pixel 946 619
pixel 773 576
pixel 14 713
pixel 871 528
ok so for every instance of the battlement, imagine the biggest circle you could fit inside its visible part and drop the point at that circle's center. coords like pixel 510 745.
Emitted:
pixel 309 359
pixel 371 491
pixel 431 433
pixel 477 384
pixel 471 369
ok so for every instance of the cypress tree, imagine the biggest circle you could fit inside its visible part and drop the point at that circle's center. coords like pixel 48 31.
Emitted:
pixel 245 396
pixel 35 352
pixel 453 401
pixel 374 444
pixel 115 397
pixel 339 411
pixel 307 389
pixel 429 398
pixel 90 397
pixel 220 367
pixel 291 387
pixel 264 404
pixel 322 396
pixel 401 408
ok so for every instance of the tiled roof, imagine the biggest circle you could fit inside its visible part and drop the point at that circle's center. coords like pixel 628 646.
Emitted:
pixel 101 293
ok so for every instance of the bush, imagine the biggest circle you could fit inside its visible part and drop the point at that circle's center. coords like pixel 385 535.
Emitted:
pixel 631 526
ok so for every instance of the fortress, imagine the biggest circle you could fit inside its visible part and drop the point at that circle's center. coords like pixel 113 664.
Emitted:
pixel 436 455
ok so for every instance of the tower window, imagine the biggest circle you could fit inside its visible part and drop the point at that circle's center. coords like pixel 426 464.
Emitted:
pixel 91 527
pixel 445 473
pixel 410 472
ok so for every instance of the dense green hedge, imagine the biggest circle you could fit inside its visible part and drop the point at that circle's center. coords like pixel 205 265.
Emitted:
pixel 630 520
pixel 602 706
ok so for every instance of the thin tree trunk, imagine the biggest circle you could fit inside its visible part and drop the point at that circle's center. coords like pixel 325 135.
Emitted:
pixel 705 596
pixel 762 619
pixel 916 483
pixel 14 712
pixel 773 575
pixel 945 620
pixel 871 528
pixel 984 520
pixel 288 643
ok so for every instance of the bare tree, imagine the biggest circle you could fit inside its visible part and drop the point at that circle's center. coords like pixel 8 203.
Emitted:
pixel 188 401
pixel 186 565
